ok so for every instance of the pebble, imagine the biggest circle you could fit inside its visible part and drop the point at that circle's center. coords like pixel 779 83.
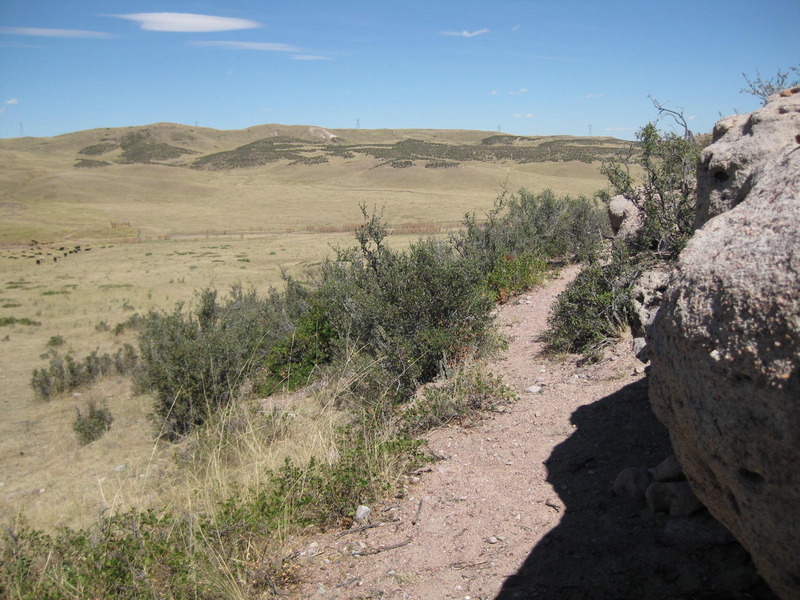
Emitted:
pixel 492 540
pixel 534 389
pixel 363 512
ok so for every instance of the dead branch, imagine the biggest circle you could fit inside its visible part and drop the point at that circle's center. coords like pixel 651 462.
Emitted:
pixel 382 548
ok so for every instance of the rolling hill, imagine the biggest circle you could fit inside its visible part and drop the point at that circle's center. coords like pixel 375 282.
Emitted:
pixel 168 179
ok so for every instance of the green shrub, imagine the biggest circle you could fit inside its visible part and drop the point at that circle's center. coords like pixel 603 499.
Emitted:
pixel 65 374
pixel 293 359
pixel 665 194
pixel 193 363
pixel 594 308
pixel 533 225
pixel 14 321
pixel 56 341
pixel 92 425
pixel 413 311
pixel 515 274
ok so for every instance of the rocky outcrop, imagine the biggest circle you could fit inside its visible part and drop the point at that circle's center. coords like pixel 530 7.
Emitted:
pixel 741 145
pixel 646 295
pixel 725 344
pixel 625 217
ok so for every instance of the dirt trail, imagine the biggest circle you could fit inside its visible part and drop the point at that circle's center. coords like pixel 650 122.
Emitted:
pixel 520 505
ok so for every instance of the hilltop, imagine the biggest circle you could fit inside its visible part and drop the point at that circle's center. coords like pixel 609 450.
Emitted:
pixel 200 147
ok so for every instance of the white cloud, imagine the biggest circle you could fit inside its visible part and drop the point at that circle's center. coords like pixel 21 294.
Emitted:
pixel 266 46
pixel 493 93
pixel 516 28
pixel 310 57
pixel 519 91
pixel 524 116
pixel 63 33
pixel 594 95
pixel 188 22
pixel 691 118
pixel 12 101
pixel 465 33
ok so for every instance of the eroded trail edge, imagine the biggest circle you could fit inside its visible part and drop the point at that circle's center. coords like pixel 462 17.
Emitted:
pixel 473 516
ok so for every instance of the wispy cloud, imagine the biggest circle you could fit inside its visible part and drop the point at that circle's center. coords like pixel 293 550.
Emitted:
pixel 187 22
pixel 310 57
pixel 60 33
pixel 493 93
pixel 263 46
pixel 12 101
pixel 594 95
pixel 691 118
pixel 524 116
pixel 467 34
pixel 519 91
pixel 516 28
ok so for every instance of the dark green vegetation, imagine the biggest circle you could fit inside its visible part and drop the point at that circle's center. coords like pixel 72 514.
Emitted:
pixel 91 426
pixel 136 147
pixel 65 374
pixel 374 323
pixel 408 152
pixel 147 145
pixel 18 321
pixel 596 306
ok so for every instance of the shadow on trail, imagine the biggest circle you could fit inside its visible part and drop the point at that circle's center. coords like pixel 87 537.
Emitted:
pixel 606 547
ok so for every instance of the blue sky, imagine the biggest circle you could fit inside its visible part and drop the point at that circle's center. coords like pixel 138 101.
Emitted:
pixel 530 68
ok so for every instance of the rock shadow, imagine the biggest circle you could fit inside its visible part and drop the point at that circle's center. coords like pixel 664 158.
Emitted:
pixel 607 547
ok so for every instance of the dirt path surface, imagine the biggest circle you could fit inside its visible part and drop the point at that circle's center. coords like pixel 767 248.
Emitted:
pixel 520 505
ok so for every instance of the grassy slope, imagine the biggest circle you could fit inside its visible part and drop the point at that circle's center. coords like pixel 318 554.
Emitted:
pixel 45 197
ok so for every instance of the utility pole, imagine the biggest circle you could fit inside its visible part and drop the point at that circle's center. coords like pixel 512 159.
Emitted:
pixel 590 131
pixel 358 123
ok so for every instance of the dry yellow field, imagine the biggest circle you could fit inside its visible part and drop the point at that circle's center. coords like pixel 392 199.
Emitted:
pixel 152 236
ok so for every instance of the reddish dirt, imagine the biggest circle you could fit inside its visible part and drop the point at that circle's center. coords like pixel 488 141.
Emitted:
pixel 519 505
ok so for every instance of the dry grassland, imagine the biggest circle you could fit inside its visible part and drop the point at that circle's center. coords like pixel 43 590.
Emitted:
pixel 158 234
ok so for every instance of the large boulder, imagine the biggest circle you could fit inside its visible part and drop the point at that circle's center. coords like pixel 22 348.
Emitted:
pixel 725 344
pixel 741 145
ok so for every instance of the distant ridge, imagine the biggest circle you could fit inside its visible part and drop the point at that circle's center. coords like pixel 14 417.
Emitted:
pixel 210 149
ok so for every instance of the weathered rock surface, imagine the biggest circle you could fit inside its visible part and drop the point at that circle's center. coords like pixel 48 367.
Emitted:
pixel 646 297
pixel 742 144
pixel 725 344
pixel 625 217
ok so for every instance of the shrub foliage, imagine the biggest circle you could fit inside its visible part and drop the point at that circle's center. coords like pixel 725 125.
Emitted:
pixel 91 426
